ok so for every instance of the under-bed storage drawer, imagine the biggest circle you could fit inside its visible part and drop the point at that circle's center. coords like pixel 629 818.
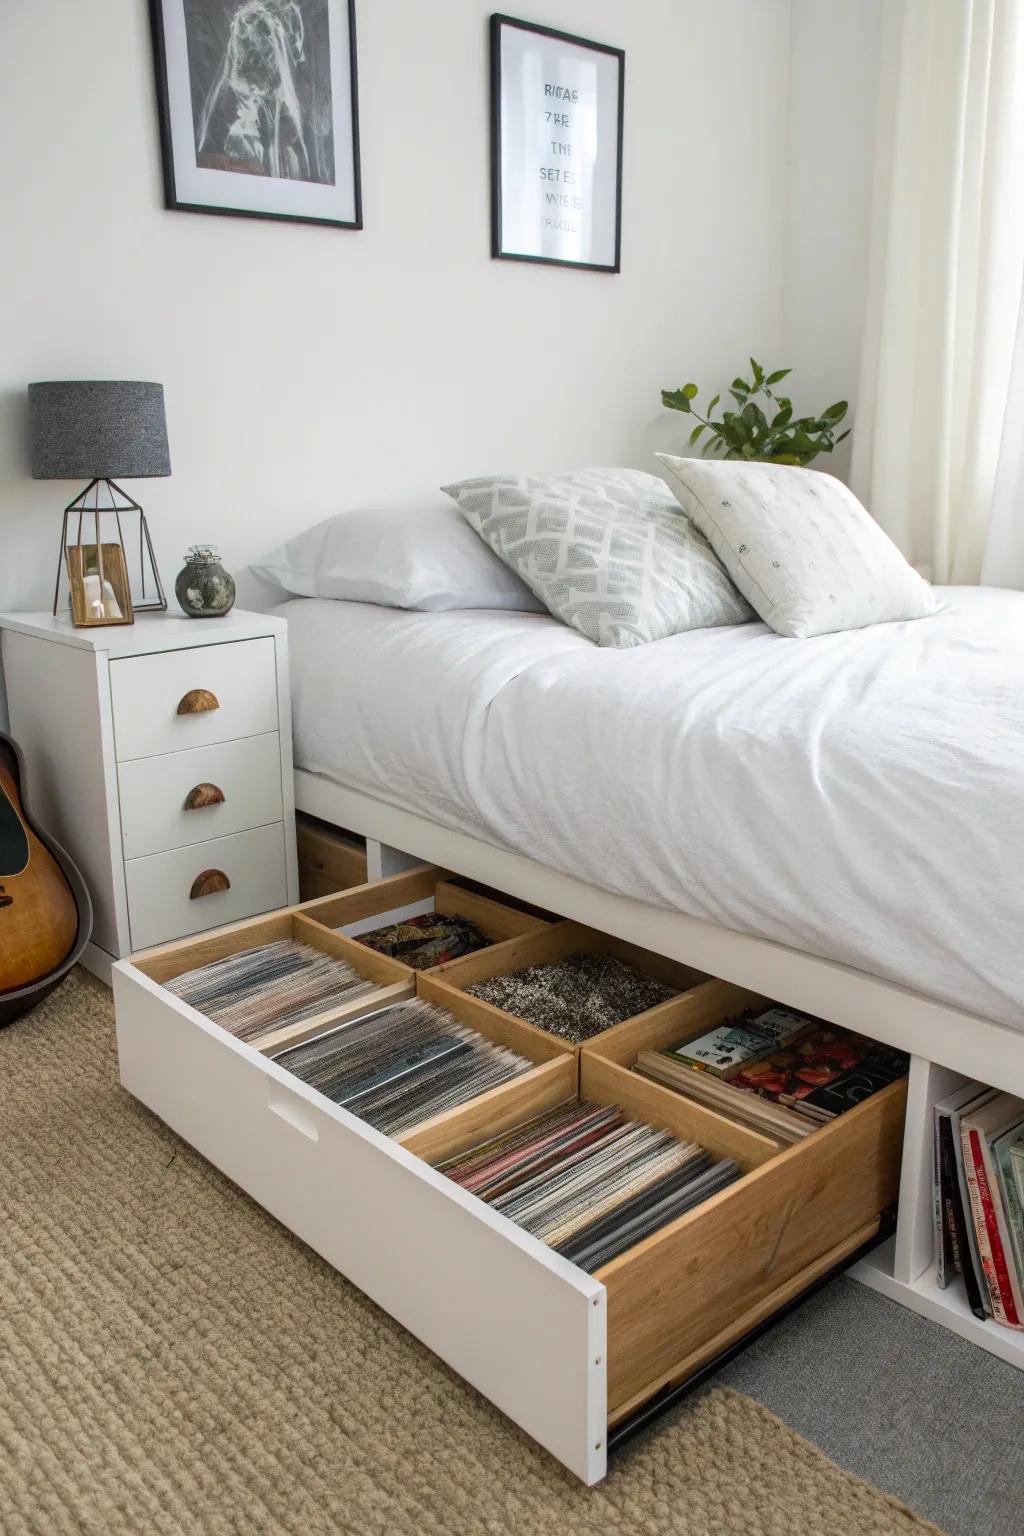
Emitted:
pixel 563 1353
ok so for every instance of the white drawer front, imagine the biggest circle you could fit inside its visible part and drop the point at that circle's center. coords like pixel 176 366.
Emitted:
pixel 160 904
pixel 238 679
pixel 518 1322
pixel 154 792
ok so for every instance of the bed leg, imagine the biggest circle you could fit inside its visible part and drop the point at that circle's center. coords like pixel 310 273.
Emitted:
pixel 382 860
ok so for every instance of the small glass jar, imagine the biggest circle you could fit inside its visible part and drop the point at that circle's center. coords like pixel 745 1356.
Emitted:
pixel 203 587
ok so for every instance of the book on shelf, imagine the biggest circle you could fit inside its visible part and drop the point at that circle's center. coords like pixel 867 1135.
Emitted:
pixel 1017 1168
pixel 980 1127
pixel 948 1114
pixel 1002 1153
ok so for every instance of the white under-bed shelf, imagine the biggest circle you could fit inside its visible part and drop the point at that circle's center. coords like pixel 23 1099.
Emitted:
pixel 948 1307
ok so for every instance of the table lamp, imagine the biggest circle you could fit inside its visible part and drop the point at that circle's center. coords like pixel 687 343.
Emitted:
pixel 101 430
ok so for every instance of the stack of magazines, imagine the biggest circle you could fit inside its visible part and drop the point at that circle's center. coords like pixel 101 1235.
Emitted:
pixel 257 990
pixel 588 1181
pixel 402 1065
pixel 979 1200
pixel 779 1072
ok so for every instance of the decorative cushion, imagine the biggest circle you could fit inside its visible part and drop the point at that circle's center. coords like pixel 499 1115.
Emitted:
pixel 413 554
pixel 605 550
pixel 799 546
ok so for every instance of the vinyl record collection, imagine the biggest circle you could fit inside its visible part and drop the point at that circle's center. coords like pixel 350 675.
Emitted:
pixel 779 1072
pixel 402 1065
pixel 589 1181
pixel 257 990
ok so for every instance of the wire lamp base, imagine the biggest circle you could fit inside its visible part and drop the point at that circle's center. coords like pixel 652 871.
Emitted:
pixel 117 504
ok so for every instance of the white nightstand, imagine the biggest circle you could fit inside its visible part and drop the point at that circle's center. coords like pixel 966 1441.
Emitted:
pixel 119 727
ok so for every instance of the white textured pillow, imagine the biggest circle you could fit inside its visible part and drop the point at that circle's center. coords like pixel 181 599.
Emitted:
pixel 605 550
pixel 799 546
pixel 417 554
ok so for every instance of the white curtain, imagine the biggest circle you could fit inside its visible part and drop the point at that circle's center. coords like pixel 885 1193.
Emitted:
pixel 940 414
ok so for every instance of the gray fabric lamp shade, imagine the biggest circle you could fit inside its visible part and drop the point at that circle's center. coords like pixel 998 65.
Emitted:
pixel 98 428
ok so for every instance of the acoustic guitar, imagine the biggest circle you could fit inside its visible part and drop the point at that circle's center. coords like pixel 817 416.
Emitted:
pixel 38 916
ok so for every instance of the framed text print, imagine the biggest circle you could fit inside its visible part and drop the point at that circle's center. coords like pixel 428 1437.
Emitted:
pixel 258 110
pixel 556 132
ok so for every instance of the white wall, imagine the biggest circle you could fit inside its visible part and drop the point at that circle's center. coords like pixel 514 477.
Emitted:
pixel 835 64
pixel 307 367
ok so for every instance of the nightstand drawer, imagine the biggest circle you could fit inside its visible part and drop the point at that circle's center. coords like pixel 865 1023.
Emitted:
pixel 187 890
pixel 174 700
pixel 189 797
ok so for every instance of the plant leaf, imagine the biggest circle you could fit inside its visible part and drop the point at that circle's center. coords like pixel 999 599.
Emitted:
pixel 714 401
pixel 778 375
pixel 690 391
pixel 695 434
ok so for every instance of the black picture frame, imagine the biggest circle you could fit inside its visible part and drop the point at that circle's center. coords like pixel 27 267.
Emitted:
pixel 173 198
pixel 498 22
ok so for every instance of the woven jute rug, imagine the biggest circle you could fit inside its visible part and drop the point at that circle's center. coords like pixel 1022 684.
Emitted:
pixel 172 1360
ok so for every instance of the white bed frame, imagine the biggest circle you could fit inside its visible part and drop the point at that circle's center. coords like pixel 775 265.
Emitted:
pixel 947 1046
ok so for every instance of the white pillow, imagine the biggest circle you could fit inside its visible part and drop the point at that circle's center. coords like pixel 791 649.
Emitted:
pixel 417 554
pixel 799 546
pixel 605 550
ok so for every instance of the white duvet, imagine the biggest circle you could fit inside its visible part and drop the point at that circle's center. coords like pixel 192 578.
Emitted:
pixel 859 796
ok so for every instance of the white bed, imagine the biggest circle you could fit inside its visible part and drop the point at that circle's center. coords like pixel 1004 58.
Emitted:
pixel 858 797
pixel 837 823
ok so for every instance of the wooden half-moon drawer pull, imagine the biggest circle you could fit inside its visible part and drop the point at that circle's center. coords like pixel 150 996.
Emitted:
pixel 197 701
pixel 209 883
pixel 202 795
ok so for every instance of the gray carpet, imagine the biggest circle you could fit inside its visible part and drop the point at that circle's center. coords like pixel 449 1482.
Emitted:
pixel 900 1401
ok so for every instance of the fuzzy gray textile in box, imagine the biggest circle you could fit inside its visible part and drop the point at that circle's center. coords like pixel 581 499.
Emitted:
pixel 575 998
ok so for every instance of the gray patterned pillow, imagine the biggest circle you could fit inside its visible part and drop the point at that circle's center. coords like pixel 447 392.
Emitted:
pixel 605 550
pixel 799 546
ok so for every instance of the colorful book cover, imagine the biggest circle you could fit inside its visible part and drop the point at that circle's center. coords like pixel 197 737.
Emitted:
pixel 820 1057
pixel 987 1124
pixel 996 1251
pixel 879 1068
pixel 729 1047
pixel 981 1229
pixel 1017 1167
pixel 1001 1146
pixel 962 1101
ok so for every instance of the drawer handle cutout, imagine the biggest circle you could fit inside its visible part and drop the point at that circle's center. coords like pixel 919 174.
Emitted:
pixel 203 795
pixel 291 1109
pixel 209 883
pixel 197 701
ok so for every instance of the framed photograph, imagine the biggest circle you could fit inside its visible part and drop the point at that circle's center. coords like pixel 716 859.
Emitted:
pixel 100 590
pixel 258 108
pixel 556 147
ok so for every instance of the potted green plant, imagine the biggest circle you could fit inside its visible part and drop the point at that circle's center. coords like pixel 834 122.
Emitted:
pixel 767 431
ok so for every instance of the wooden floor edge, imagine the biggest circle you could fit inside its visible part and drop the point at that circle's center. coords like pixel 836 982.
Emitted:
pixel 747 1321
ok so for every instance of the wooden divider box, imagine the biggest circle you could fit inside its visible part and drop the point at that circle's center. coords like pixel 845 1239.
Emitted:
pixel 694 1288
pixel 413 894
pixel 563 1353
pixel 549 942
